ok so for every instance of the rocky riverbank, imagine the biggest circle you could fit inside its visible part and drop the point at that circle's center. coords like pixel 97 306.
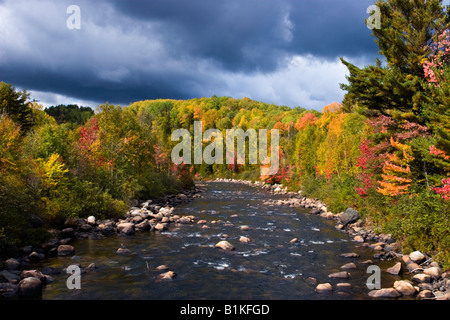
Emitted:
pixel 18 281
pixel 426 277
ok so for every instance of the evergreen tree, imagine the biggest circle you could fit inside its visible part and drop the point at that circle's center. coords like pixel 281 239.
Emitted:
pixel 14 104
pixel 407 30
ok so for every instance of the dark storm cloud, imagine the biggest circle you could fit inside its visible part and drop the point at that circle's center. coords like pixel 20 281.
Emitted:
pixel 256 34
pixel 133 50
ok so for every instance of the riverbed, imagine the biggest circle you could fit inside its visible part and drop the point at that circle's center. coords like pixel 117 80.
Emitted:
pixel 269 267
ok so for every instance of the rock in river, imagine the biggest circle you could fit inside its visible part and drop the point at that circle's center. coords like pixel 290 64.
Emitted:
pixel 126 228
pixel 65 250
pixel 395 269
pixel 404 287
pixel 349 255
pixel 244 239
pixel 340 275
pixel 324 287
pixel 167 275
pixel 225 245
pixel 30 287
pixel 384 293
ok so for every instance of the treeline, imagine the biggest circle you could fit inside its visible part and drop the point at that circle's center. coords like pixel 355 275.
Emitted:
pixel 52 171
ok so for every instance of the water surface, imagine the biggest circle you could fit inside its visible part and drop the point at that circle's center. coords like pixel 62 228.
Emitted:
pixel 268 267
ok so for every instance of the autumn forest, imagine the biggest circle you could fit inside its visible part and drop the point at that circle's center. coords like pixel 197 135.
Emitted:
pixel 384 150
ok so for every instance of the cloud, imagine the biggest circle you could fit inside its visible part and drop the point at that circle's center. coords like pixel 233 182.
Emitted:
pixel 282 51
pixel 317 86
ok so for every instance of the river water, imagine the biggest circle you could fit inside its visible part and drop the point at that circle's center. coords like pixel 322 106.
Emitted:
pixel 268 267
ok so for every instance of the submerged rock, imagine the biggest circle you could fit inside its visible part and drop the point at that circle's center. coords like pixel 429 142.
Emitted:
pixel 340 275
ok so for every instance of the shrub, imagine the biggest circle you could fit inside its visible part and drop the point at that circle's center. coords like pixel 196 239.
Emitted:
pixel 422 222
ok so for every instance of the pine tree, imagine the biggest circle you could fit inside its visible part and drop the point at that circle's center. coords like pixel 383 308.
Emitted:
pixel 407 29
pixel 14 104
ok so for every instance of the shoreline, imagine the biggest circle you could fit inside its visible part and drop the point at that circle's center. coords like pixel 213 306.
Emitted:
pixel 148 216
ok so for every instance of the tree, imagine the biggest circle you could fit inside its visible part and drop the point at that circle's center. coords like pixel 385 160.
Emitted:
pixel 396 171
pixel 14 104
pixel 70 113
pixel 407 29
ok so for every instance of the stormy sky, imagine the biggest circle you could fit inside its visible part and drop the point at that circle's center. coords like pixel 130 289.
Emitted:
pixel 277 51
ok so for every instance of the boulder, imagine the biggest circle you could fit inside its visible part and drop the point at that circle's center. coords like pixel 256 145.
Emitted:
pixel 349 265
pixel 425 294
pixel 35 256
pixel 434 272
pixel 404 287
pixel 11 264
pixel 9 290
pixel 396 269
pixel 106 229
pixel 65 250
pixel 421 277
pixel 245 228
pixel 343 285
pixel 324 287
pixel 9 276
pixel 349 255
pixel 33 274
pixel 244 239
pixel 413 267
pixel 167 275
pixel 161 226
pixel 126 228
pixel 358 239
pixel 339 275
pixel 417 256
pixel 85 227
pixel 137 219
pixel 311 281
pixel 350 215
pixel 162 267
pixel 67 233
pixel 384 293
pixel 295 240
pixel 91 220
pixel 143 226
pixel 124 251
pixel 225 245
pixel 184 220
pixel 30 287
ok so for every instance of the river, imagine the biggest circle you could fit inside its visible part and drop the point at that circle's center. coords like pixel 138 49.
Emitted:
pixel 267 268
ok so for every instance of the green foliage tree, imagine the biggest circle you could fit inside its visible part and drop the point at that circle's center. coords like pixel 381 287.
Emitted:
pixel 14 104
pixel 407 29
pixel 71 113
